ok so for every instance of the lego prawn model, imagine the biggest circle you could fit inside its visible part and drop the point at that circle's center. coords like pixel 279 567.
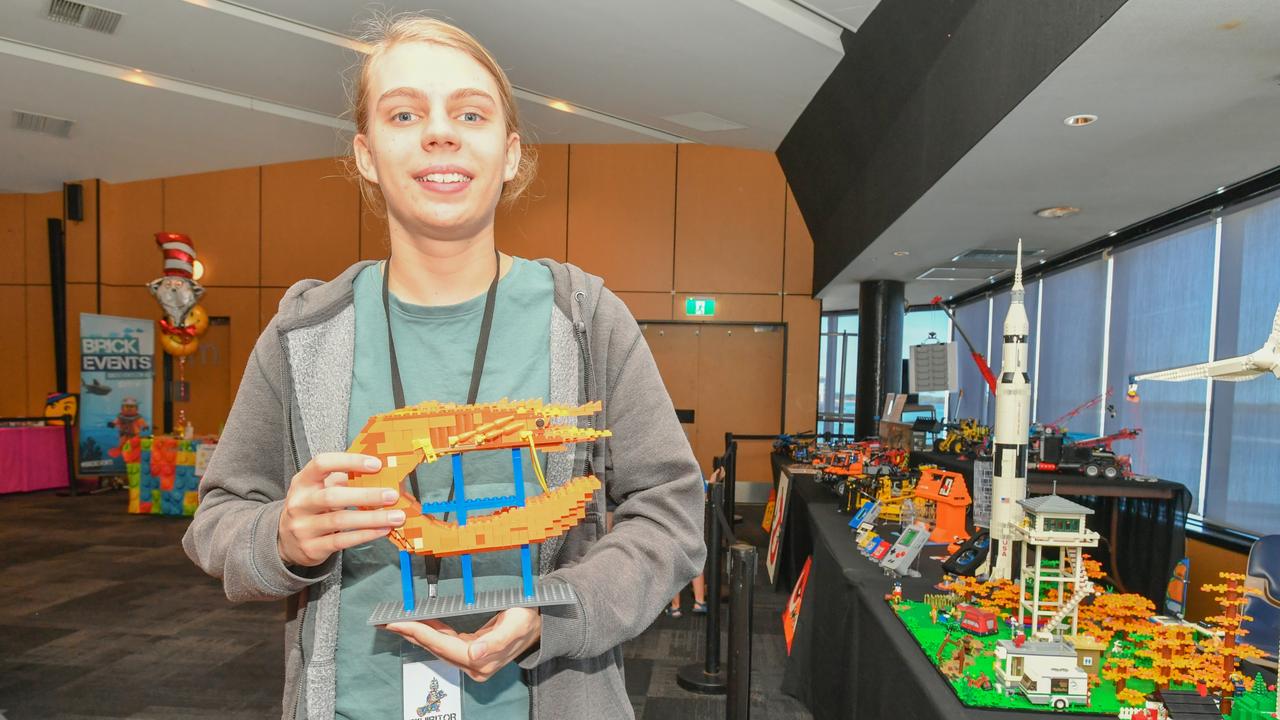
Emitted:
pixel 429 431
pixel 1243 367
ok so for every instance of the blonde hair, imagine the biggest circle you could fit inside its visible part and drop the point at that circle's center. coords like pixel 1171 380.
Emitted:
pixel 386 31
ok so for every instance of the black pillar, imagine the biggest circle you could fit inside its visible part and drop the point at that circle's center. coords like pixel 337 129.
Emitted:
pixel 881 309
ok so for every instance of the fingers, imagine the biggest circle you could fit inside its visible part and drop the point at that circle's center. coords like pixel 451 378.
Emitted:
pixel 339 496
pixel 325 463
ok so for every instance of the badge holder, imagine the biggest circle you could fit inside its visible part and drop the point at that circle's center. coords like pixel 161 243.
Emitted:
pixel 431 688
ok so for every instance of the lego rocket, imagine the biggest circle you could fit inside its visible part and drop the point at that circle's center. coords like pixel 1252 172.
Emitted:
pixel 1013 420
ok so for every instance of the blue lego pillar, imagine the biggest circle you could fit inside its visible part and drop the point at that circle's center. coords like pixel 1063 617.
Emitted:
pixel 406 580
pixel 526 570
pixel 460 500
pixel 526 561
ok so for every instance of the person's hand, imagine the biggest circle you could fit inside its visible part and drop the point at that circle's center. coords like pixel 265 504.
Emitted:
pixel 482 653
pixel 316 521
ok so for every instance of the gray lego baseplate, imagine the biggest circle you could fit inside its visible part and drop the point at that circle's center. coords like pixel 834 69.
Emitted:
pixel 554 593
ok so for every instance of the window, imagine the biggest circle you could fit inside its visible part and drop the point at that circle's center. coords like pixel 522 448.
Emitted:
pixel 917 328
pixel 1244 447
pixel 837 372
pixel 1062 525
pixel 1069 371
pixel 972 399
pixel 1161 302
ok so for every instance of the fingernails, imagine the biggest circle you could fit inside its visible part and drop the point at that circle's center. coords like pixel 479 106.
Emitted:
pixel 389 496
pixel 372 463
pixel 395 517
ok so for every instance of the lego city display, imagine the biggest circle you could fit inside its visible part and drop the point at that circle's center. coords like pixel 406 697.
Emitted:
pixel 431 430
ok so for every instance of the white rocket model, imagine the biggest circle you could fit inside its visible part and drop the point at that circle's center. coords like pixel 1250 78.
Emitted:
pixel 1013 421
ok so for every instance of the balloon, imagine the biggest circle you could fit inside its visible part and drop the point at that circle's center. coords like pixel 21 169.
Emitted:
pixel 178 345
pixel 198 320
pixel 177 296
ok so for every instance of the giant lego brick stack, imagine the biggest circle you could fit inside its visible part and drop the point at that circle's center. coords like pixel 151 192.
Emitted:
pixel 162 475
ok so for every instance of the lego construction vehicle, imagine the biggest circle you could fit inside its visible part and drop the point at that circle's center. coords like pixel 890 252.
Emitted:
pixel 965 437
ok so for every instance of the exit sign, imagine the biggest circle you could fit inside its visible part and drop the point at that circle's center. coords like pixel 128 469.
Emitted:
pixel 700 307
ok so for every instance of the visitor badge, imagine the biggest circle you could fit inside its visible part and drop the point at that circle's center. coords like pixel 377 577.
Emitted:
pixel 432 687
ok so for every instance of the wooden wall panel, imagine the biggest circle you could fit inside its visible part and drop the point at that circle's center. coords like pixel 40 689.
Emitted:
pixel 37 210
pixel 730 213
pixel 134 301
pixel 82 238
pixel 1206 562
pixel 268 303
pixel 13 239
pixel 803 316
pixel 675 351
pixel 798 263
pixel 219 212
pixel 241 306
pixel 41 378
pixel 132 213
pixel 13 361
pixel 732 308
pixel 536 225
pixel 621 214
pixel 81 298
pixel 310 221
pixel 209 371
pixel 647 305
pixel 739 390
pixel 374 244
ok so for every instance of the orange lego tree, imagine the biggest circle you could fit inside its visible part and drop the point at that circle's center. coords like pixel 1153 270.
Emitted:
pixel 1116 615
pixel 1172 654
pixel 1223 652
pixel 1118 669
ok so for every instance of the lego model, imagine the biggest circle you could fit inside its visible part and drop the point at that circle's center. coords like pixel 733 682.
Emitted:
pixel 904 552
pixel 977 620
pixel 1044 672
pixel 1054 530
pixel 950 497
pixel 162 475
pixel 964 437
pixel 1243 367
pixel 978 358
pixel 1013 420
pixel 404 438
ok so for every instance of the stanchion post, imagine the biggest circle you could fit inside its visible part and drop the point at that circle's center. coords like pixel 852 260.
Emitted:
pixel 742 578
pixel 706 677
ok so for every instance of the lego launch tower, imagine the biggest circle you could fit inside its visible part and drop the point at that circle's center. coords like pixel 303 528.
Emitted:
pixel 1013 420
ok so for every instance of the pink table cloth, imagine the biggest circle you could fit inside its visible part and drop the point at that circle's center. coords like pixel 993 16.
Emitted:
pixel 32 458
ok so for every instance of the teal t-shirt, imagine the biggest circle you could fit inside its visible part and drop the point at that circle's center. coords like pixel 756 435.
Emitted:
pixel 435 349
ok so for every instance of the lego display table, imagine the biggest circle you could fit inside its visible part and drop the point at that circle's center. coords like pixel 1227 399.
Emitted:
pixel 851 657
pixel 32 458
pixel 1142 522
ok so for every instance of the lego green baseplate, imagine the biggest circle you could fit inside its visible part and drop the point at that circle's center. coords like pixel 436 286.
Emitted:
pixel 915 617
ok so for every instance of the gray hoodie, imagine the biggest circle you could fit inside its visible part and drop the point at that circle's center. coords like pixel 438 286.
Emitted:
pixel 292 404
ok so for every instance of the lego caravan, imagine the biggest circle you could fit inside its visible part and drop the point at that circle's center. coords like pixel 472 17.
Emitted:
pixel 1046 672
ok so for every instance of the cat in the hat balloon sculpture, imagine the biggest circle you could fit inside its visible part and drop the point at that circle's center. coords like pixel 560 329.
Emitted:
pixel 178 293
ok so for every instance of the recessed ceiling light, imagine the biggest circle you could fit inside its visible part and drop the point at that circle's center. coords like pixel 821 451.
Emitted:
pixel 1080 120
pixel 1059 211
pixel 901 253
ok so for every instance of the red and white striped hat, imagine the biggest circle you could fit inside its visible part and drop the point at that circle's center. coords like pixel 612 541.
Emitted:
pixel 179 254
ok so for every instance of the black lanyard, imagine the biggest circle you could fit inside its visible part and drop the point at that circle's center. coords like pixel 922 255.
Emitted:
pixel 477 368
